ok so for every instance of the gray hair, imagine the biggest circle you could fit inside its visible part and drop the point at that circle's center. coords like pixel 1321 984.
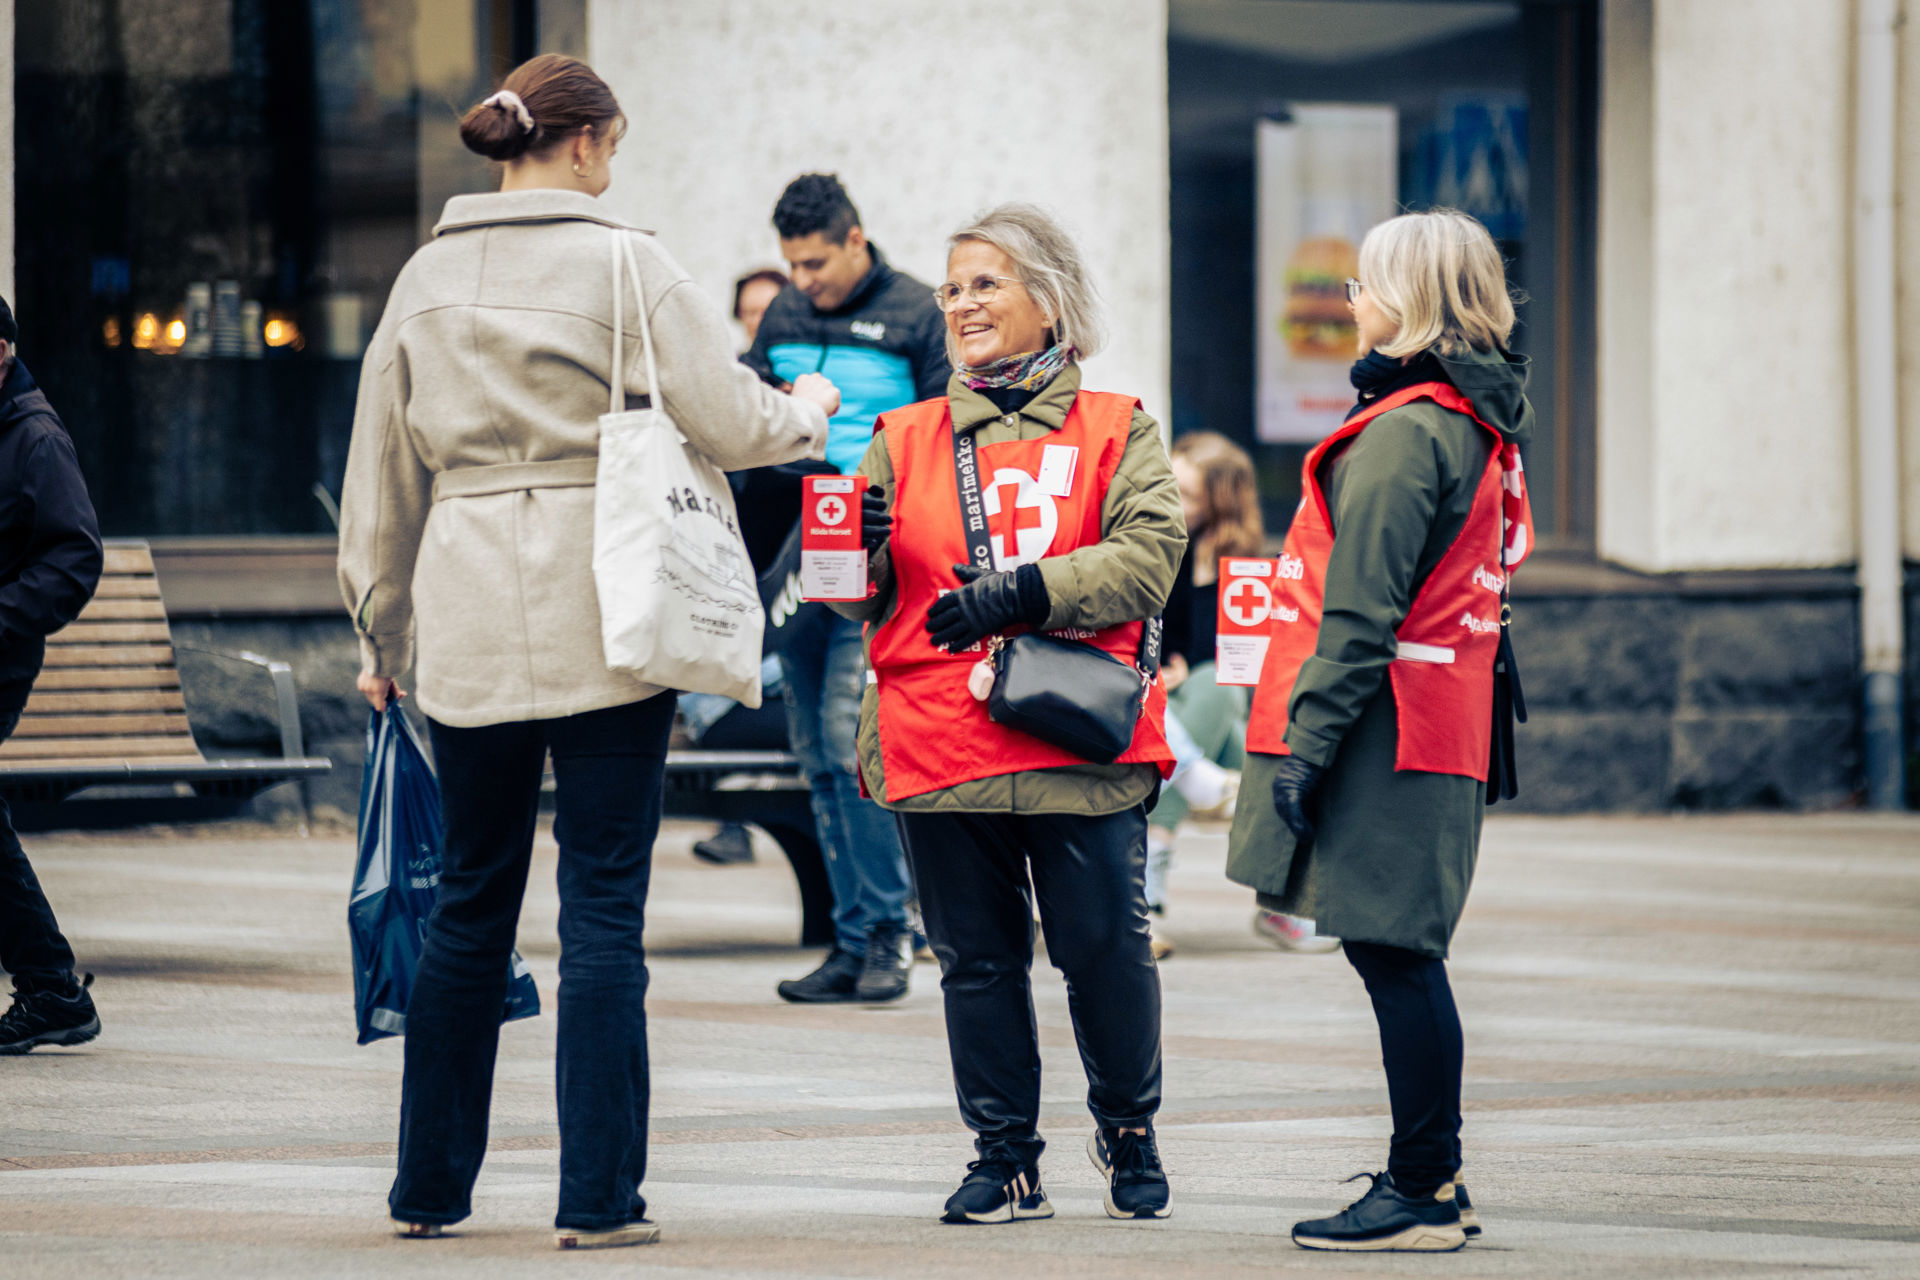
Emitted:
pixel 1048 263
pixel 1439 278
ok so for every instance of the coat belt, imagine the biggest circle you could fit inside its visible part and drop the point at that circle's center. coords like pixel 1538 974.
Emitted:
pixel 505 477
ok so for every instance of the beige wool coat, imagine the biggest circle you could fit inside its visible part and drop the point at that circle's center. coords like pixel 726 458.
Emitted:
pixel 496 348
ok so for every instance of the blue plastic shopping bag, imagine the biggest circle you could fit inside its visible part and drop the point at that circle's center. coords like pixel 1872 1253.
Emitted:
pixel 397 880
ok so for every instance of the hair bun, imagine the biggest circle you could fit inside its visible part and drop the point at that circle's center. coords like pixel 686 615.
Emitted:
pixel 500 127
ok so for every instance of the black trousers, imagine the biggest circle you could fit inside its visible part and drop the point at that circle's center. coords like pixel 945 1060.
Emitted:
pixel 608 767
pixel 972 870
pixel 32 948
pixel 1421 1047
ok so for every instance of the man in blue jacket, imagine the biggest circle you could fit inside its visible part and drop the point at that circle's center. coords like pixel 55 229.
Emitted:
pixel 876 333
pixel 50 562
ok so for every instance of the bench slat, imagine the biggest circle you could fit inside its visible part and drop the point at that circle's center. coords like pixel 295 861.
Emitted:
pixel 148 677
pixel 111 609
pixel 91 748
pixel 124 559
pixel 128 587
pixel 93 701
pixel 120 655
pixel 84 632
pixel 102 726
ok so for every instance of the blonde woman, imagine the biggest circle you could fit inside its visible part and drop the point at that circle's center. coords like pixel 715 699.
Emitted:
pixel 1373 722
pixel 466 550
pixel 1075 526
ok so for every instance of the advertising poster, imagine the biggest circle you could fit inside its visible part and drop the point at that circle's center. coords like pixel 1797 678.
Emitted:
pixel 1325 176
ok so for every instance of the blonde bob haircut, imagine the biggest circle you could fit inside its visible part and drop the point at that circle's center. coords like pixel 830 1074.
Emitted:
pixel 1049 264
pixel 1438 277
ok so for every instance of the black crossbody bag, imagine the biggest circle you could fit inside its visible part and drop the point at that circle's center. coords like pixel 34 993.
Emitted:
pixel 1509 706
pixel 1064 692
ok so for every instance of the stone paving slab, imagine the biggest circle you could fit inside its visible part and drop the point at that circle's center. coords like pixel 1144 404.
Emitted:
pixel 1693 1049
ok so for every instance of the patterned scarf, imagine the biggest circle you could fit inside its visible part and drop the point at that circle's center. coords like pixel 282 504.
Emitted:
pixel 1028 371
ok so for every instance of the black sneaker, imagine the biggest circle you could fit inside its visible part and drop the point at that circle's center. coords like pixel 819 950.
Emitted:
pixel 832 983
pixel 48 1017
pixel 1469 1220
pixel 998 1189
pixel 883 975
pixel 1136 1184
pixel 1386 1220
pixel 726 847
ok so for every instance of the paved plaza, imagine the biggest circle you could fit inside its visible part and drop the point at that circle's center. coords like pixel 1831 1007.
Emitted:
pixel 1693 1049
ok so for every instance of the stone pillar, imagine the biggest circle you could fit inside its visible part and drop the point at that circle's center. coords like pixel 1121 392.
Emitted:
pixel 928 112
pixel 1724 258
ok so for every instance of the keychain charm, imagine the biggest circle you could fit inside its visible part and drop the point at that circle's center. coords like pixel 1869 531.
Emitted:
pixel 980 680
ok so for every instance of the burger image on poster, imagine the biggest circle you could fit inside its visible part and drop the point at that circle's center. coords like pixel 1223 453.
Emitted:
pixel 1317 324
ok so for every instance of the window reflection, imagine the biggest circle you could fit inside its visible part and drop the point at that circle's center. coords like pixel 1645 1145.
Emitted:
pixel 214 197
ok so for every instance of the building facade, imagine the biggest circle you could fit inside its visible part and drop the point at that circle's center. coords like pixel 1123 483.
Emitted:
pixel 204 201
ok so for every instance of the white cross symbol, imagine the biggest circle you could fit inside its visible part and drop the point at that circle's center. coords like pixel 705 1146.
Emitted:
pixel 1248 589
pixel 831 510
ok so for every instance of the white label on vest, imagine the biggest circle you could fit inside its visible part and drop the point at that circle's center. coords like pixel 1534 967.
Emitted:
pixel 1411 652
pixel 1057 464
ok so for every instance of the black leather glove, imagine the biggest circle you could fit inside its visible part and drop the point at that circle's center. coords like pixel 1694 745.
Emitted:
pixel 876 522
pixel 1294 788
pixel 987 601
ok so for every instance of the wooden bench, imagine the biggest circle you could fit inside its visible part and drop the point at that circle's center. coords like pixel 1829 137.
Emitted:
pixel 107 708
pixel 763 788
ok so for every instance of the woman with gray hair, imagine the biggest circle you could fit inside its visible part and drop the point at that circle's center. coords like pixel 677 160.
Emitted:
pixel 1381 726
pixel 1017 503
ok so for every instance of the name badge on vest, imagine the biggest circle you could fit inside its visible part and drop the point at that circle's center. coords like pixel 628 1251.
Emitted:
pixel 1057 464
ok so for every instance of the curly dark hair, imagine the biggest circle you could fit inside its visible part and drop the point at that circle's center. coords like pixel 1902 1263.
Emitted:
pixel 815 202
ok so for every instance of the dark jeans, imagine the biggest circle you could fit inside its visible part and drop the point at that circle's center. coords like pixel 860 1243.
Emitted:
pixel 31 946
pixel 1421 1046
pixel 972 869
pixel 608 767
pixel 826 678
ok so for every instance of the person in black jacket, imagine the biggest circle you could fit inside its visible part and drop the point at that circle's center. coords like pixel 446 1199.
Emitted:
pixel 877 335
pixel 50 562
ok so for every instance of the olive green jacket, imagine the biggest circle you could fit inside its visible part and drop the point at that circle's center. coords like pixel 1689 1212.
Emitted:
pixel 1124 577
pixel 1394 853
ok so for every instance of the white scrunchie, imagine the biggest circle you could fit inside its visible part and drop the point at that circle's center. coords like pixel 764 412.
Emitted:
pixel 508 100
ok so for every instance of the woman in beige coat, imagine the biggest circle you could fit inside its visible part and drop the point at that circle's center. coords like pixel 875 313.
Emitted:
pixel 466 545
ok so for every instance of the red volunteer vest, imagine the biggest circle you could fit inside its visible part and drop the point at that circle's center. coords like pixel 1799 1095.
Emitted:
pixel 1443 674
pixel 933 733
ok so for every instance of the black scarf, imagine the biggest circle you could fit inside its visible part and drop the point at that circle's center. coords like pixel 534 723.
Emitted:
pixel 1374 375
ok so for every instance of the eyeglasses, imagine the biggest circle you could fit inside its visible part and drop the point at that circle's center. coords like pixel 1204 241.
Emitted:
pixel 983 290
pixel 1354 289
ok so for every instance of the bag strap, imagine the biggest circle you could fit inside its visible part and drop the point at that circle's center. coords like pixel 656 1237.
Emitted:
pixel 622 247
pixel 973 519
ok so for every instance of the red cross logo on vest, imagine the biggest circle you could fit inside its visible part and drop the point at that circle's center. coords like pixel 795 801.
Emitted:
pixel 1248 602
pixel 1026 518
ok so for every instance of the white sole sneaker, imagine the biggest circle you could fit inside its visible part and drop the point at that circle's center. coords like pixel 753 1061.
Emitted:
pixel 1113 1210
pixel 1009 1212
pixel 616 1238
pixel 1415 1239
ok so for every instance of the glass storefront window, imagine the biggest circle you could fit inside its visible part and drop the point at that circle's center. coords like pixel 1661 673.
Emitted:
pixel 1489 107
pixel 214 197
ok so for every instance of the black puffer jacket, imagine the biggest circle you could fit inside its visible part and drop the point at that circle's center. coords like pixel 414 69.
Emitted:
pixel 50 557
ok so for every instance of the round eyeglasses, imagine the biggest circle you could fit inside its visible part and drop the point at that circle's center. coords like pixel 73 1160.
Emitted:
pixel 983 290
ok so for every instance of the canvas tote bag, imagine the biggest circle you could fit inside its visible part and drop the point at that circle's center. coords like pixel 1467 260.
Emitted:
pixel 679 603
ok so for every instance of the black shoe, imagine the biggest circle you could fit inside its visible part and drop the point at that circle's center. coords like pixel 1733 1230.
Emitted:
pixel 883 975
pixel 1384 1219
pixel 998 1189
pixel 48 1017
pixel 729 845
pixel 832 983
pixel 1469 1220
pixel 1136 1184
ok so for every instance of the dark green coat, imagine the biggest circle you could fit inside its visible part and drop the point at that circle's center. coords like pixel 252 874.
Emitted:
pixel 1394 852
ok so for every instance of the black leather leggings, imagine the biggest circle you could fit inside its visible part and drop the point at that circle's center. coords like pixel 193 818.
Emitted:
pixel 1088 872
